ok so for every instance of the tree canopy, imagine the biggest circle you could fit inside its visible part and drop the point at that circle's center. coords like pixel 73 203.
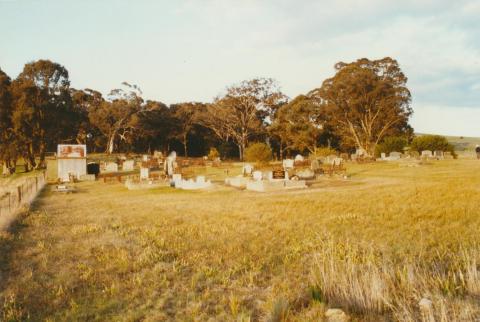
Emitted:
pixel 367 100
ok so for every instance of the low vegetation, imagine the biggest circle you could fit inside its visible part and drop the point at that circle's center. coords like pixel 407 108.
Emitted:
pixel 374 245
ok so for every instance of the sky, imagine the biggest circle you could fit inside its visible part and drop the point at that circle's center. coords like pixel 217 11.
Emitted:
pixel 190 50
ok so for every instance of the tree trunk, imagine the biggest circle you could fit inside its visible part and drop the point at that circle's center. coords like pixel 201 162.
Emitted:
pixel 185 145
pixel 111 143
pixel 42 152
pixel 240 152
pixel 31 156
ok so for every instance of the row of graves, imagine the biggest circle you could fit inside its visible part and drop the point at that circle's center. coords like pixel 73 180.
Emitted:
pixel 170 176
pixel 147 173
pixel 413 155
pixel 292 174
pixel 156 171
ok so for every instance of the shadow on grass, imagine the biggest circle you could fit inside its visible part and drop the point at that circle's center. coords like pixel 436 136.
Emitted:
pixel 9 239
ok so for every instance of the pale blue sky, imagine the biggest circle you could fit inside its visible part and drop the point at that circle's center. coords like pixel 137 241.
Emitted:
pixel 188 50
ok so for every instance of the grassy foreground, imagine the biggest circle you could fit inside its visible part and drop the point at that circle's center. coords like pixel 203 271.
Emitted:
pixel 373 246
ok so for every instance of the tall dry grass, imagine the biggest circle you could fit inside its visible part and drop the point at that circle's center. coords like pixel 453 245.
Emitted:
pixel 374 245
pixel 443 286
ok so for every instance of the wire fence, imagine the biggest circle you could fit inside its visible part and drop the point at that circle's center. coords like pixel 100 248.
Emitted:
pixel 19 194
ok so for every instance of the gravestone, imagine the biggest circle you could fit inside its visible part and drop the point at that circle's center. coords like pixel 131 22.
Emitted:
pixel 299 157
pixel 438 154
pixel 395 155
pixel 144 173
pixel 427 153
pixel 383 155
pixel 199 183
pixel 361 152
pixel 111 167
pixel 145 158
pixel 247 169
pixel 170 164
pixel 176 179
pixel 257 175
pixel 278 174
pixel 128 165
pixel 288 164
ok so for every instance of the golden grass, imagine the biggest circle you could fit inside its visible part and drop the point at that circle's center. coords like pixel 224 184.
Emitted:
pixel 374 245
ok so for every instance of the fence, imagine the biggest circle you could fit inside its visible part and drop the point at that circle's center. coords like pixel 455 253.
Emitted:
pixel 20 193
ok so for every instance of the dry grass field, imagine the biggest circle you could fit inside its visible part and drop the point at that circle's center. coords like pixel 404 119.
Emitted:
pixel 373 245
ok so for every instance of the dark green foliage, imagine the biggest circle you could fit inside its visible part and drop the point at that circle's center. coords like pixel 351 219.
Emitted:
pixel 391 144
pixel 258 152
pixel 432 143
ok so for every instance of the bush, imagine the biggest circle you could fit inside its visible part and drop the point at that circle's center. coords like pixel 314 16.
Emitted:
pixel 432 143
pixel 258 152
pixel 322 152
pixel 391 144
pixel 213 154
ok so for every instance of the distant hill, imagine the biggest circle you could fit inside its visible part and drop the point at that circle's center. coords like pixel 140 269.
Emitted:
pixel 461 143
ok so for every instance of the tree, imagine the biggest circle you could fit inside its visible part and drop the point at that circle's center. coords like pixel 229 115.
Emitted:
pixel 115 117
pixel 155 125
pixel 367 101
pixel 84 102
pixel 186 116
pixel 258 152
pixel 298 125
pixel 391 144
pixel 8 152
pixel 432 143
pixel 243 111
pixel 42 108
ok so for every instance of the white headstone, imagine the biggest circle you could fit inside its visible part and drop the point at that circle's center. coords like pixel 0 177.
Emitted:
pixel 438 154
pixel 144 173
pixel 247 169
pixel 111 167
pixel 299 157
pixel 383 155
pixel 171 164
pixel 145 157
pixel 257 175
pixel 395 155
pixel 288 163
pixel 176 179
pixel 427 153
pixel 128 165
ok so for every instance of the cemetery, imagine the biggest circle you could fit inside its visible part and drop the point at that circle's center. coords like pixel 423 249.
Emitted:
pixel 176 196
pixel 176 225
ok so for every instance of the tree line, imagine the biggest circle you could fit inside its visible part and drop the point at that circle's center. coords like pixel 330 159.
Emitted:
pixel 365 102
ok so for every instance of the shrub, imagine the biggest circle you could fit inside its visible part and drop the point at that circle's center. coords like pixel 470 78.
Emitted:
pixel 432 143
pixel 322 152
pixel 391 144
pixel 213 154
pixel 258 152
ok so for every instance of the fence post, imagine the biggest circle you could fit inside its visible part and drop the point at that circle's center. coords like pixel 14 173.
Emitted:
pixel 19 190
